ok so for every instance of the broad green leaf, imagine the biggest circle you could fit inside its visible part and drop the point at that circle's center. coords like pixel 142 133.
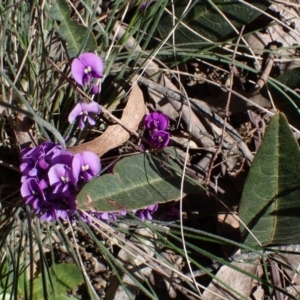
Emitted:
pixel 78 37
pixel 287 101
pixel 64 277
pixel 270 204
pixel 204 19
pixel 137 181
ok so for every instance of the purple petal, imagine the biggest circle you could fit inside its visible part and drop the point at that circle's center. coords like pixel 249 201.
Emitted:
pixel 81 123
pixel 63 157
pixel 95 89
pixel 94 61
pixel 31 191
pixel 77 70
pixel 48 215
pixel 86 165
pixel 141 215
pixel 144 4
pixel 160 139
pixel 146 213
pixel 156 121
pixel 61 173
pixel 43 164
pixel 91 107
pixel 87 78
pixel 75 113
pixel 153 208
pixel 91 121
pixel 55 173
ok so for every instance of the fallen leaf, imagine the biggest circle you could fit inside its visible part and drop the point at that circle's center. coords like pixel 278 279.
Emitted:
pixel 237 281
pixel 116 135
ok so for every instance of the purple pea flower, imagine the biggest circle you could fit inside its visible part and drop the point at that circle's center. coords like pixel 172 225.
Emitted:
pixel 57 209
pixel 37 160
pixel 86 165
pixel 160 139
pixel 104 216
pixel 156 121
pixel 82 110
pixel 32 193
pixel 86 67
pixel 62 179
pixel 146 213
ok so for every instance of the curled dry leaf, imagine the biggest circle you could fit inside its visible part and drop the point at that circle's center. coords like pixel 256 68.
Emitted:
pixel 116 135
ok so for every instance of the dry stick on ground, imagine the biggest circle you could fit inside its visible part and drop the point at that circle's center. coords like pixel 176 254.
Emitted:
pixel 204 111
pixel 268 67
pixel 218 151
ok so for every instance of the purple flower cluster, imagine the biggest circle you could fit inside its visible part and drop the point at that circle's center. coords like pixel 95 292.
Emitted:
pixel 157 123
pixel 52 176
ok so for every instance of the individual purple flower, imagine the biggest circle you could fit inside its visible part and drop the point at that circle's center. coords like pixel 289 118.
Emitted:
pixel 86 67
pixel 62 179
pixel 86 165
pixel 146 213
pixel 32 193
pixel 156 121
pixel 160 139
pixel 82 110
pixel 38 159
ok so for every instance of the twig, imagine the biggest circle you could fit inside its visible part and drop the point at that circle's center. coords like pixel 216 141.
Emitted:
pixel 268 67
pixel 218 151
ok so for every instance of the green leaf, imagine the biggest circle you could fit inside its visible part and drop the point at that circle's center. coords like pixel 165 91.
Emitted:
pixel 270 204
pixel 287 101
pixel 137 181
pixel 78 37
pixel 64 277
pixel 205 19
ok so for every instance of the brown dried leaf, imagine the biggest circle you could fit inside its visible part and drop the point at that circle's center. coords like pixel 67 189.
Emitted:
pixel 238 281
pixel 116 135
